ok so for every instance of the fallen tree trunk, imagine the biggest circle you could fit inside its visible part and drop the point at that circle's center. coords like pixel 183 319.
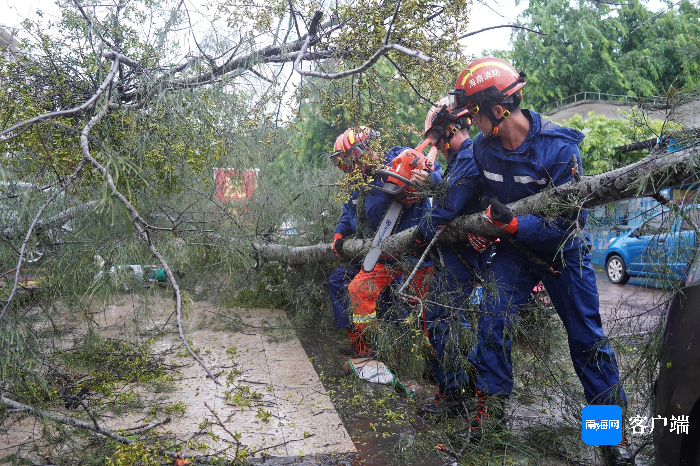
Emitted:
pixel 660 170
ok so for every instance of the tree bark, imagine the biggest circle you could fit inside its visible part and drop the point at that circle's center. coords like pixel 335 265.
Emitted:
pixel 659 170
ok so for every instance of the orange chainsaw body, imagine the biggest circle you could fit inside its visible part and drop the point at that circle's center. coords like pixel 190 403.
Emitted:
pixel 402 165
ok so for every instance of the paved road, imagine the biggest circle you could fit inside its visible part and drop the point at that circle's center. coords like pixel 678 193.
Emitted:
pixel 631 308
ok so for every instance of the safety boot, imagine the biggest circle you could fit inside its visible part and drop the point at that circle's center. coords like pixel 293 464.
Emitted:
pixel 447 405
pixel 359 348
pixel 489 416
pixel 617 455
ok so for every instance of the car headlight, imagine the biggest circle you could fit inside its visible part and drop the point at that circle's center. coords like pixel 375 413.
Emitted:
pixel 611 240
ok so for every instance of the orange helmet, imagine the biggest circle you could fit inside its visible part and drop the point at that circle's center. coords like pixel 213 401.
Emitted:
pixel 337 154
pixel 436 115
pixel 487 79
pixel 437 119
pixel 354 141
pixel 356 136
pixel 338 148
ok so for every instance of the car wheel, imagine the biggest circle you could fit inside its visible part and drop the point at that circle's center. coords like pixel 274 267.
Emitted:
pixel 617 270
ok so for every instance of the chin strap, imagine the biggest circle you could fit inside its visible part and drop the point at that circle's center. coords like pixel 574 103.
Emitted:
pixel 486 111
pixel 459 124
pixel 495 121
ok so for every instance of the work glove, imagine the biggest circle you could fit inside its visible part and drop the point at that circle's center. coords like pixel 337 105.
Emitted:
pixel 337 246
pixel 499 215
pixel 479 243
pixel 418 243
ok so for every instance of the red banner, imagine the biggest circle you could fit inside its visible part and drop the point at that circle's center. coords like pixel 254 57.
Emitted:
pixel 234 185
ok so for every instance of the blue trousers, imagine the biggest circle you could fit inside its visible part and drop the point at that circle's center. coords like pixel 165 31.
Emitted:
pixel 574 294
pixel 338 289
pixel 447 329
pixel 340 301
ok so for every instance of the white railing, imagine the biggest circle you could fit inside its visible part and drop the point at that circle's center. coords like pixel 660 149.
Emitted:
pixel 603 96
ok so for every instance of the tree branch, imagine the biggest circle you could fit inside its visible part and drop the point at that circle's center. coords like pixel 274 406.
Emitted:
pixel 142 228
pixel 403 75
pixel 372 60
pixel 8 403
pixel 391 23
pixel 30 230
pixel 116 58
pixel 644 178
pixel 514 26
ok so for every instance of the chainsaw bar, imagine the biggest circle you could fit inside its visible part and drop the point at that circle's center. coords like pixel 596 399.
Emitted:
pixel 389 221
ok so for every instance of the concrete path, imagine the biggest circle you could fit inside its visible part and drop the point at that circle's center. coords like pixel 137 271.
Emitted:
pixel 270 402
pixel 633 308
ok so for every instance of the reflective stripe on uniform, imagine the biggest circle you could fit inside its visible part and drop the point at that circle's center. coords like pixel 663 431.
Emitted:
pixel 493 176
pixel 364 318
pixel 527 179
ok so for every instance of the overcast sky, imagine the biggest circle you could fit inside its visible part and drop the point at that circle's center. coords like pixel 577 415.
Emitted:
pixel 498 12
pixel 484 14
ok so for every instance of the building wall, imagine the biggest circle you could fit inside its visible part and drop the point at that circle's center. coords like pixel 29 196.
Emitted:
pixel 9 45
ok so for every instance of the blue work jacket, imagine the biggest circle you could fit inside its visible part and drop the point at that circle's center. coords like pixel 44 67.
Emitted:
pixel 545 158
pixel 348 218
pixel 459 193
pixel 458 196
pixel 378 202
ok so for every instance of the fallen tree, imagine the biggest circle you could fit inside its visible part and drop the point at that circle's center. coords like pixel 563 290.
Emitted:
pixel 659 170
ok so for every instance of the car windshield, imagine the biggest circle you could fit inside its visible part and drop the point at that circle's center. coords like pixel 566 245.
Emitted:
pixel 693 215
pixel 658 225
pixel 694 274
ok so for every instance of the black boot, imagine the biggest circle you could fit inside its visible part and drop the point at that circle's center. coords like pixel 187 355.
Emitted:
pixel 489 416
pixel 447 405
pixel 617 455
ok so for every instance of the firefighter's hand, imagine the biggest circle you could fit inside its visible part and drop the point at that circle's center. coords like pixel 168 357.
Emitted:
pixel 479 243
pixel 420 176
pixel 337 246
pixel 418 243
pixel 499 215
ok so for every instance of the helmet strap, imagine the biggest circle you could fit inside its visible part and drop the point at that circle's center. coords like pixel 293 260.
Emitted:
pixel 494 121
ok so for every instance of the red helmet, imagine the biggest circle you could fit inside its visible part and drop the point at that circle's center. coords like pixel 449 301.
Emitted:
pixel 487 79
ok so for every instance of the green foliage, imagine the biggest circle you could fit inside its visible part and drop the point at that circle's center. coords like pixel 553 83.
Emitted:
pixel 604 134
pixel 599 47
pixel 396 112
pixel 135 454
pixel 107 363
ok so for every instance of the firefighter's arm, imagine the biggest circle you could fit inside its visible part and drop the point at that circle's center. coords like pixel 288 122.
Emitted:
pixel 539 228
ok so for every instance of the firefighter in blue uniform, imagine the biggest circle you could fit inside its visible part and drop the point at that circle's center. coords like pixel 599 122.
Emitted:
pixel 346 160
pixel 367 286
pixel 341 276
pixel 518 154
pixel 461 264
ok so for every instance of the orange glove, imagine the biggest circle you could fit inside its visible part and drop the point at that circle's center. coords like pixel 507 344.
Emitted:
pixel 499 215
pixel 337 245
pixel 479 243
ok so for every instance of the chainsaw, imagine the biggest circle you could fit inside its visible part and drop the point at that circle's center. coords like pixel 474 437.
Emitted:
pixel 403 191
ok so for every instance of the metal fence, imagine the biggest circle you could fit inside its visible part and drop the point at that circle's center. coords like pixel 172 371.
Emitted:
pixel 603 96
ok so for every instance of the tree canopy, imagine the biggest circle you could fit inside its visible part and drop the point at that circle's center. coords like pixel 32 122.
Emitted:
pixel 621 49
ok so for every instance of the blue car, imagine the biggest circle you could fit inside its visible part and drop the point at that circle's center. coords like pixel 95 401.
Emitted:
pixel 660 248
